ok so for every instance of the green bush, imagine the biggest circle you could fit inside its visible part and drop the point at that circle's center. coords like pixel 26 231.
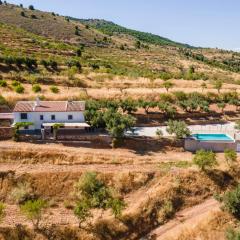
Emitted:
pixel 15 83
pixel 54 89
pixel 231 201
pixel 36 88
pixel 33 210
pixel 205 159
pixel 2 100
pixel 19 89
pixel 232 234
pixel 3 83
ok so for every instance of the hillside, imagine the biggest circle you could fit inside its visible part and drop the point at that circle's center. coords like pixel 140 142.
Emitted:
pixel 111 29
pixel 96 55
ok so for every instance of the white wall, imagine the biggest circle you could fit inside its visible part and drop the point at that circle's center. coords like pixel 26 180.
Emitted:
pixel 60 117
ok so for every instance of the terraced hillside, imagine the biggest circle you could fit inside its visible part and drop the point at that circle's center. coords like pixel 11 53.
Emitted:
pixel 96 54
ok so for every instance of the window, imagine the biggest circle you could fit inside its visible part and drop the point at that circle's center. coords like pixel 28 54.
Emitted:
pixel 24 116
pixel 70 117
pixel 53 117
pixel 41 117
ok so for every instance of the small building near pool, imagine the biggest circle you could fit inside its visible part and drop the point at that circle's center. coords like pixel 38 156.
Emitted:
pixel 45 114
pixel 214 142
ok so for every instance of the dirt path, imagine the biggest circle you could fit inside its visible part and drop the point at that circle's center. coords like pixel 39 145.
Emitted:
pixel 50 168
pixel 188 218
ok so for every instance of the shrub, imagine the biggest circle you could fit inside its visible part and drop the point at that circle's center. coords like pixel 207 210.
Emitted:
pixel 36 88
pixel 3 83
pixel 230 156
pixel 231 201
pixel 19 89
pixel 167 85
pixel 178 128
pixel 79 52
pixel 33 210
pixel 54 89
pixel 15 83
pixel 231 234
pixel 22 193
pixel 205 159
pixel 2 100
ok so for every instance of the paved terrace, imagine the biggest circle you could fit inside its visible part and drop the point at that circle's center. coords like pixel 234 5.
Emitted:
pixel 227 128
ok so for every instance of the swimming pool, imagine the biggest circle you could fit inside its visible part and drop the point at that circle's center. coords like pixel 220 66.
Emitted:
pixel 213 137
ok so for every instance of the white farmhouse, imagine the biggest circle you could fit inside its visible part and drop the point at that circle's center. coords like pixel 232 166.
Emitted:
pixel 44 114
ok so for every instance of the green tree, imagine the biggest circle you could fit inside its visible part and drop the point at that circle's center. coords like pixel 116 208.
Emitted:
pixel 19 89
pixel 203 86
pixel 167 85
pixel 138 44
pixel 222 106
pixel 147 104
pixel 205 159
pixel 33 210
pixel 3 83
pixel 56 127
pixel 178 128
pixel 54 89
pixel 36 88
pixel 93 193
pixel 230 156
pixel 218 85
pixel 128 105
pixel 117 124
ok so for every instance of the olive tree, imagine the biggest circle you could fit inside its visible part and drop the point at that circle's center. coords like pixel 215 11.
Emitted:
pixel 56 127
pixel 117 124
pixel 178 128
pixel 93 193
pixel 167 85
pixel 33 210
pixel 205 159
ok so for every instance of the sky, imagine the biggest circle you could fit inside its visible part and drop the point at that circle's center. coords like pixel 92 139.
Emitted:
pixel 203 23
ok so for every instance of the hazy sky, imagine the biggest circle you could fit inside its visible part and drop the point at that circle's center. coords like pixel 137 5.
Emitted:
pixel 206 23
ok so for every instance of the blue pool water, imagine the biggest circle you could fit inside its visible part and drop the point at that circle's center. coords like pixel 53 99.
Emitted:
pixel 213 137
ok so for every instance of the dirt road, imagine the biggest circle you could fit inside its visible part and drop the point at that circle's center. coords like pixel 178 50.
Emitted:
pixel 186 219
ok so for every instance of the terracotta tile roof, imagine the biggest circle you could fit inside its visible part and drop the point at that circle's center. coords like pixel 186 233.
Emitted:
pixel 51 106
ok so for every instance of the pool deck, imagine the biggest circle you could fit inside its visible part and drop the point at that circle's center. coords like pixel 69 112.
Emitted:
pixel 227 128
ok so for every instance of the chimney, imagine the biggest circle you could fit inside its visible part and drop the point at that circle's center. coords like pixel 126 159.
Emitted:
pixel 36 103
